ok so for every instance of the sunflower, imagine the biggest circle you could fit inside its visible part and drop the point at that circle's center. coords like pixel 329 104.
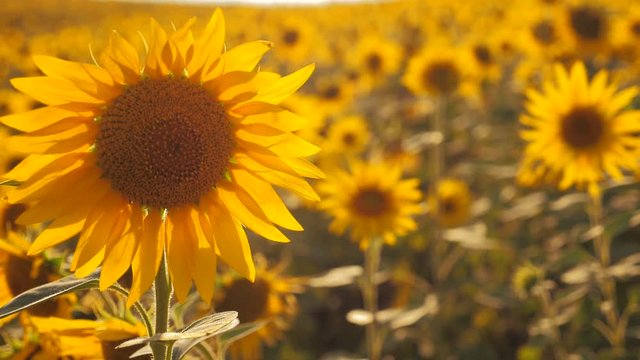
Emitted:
pixel 80 339
pixel 270 299
pixel 440 70
pixel 347 136
pixel 294 38
pixel 374 59
pixel 586 27
pixel 450 202
pixel 176 153
pixel 577 131
pixel 373 200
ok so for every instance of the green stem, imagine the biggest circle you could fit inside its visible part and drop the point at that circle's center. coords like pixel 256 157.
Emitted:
pixel 370 295
pixel 602 247
pixel 163 296
pixel 550 312
pixel 439 248
pixel 139 309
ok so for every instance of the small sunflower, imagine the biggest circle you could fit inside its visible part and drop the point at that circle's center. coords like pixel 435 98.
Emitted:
pixel 295 39
pixel 450 202
pixel 440 70
pixel 270 298
pixel 348 136
pixel 176 152
pixel 577 131
pixel 374 59
pixel 80 339
pixel 586 27
pixel 372 200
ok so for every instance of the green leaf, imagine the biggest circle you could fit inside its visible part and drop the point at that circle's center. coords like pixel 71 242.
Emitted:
pixel 240 331
pixel 187 338
pixel 48 291
pixel 10 182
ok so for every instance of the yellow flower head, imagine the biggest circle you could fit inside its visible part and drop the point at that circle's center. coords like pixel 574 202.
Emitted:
pixel 348 135
pixel 176 151
pixel 372 200
pixel 270 299
pixel 441 70
pixel 450 203
pixel 577 131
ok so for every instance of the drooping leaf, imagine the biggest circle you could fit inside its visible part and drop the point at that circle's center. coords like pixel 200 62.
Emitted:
pixel 49 291
pixel 189 336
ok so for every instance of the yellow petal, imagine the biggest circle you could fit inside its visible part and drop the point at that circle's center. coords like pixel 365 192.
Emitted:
pixel 146 262
pixel 54 234
pixel 182 247
pixel 231 239
pixel 244 208
pixel 267 198
pixel 53 91
pixel 37 119
pixel 279 90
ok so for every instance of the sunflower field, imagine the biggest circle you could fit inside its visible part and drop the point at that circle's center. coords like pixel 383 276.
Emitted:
pixel 398 179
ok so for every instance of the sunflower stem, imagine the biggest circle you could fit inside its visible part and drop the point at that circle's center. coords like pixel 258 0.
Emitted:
pixel 607 284
pixel 370 296
pixel 138 306
pixel 437 170
pixel 162 299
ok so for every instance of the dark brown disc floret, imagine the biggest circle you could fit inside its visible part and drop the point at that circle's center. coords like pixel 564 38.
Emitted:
pixel 442 76
pixel 371 202
pixel 250 300
pixel 582 127
pixel 164 142
pixel 588 22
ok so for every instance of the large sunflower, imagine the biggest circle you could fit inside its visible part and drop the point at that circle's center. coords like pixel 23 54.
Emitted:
pixel 579 130
pixel 373 200
pixel 176 153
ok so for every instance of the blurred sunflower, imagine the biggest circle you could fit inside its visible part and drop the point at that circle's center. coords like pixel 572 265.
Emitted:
pixel 586 27
pixel 373 200
pixel 625 35
pixel 450 202
pixel 270 299
pixel 79 339
pixel 375 58
pixel 347 136
pixel 294 38
pixel 176 152
pixel 576 130
pixel 333 93
pixel 440 70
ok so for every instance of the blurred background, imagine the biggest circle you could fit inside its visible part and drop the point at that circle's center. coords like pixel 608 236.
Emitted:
pixel 494 269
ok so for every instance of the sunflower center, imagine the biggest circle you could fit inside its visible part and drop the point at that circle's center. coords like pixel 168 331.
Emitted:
pixel 448 206
pixel 8 218
pixel 482 55
pixel 582 127
pixel 544 32
pixel 331 92
pixel 249 300
pixel 371 202
pixel 22 275
pixel 374 62
pixel 635 28
pixel 349 139
pixel 290 37
pixel 442 76
pixel 588 23
pixel 164 143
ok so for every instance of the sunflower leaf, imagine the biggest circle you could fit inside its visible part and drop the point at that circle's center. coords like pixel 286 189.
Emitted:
pixel 49 291
pixel 10 182
pixel 240 331
pixel 189 336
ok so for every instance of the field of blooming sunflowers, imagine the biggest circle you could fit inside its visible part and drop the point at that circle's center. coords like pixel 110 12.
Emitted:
pixel 409 179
